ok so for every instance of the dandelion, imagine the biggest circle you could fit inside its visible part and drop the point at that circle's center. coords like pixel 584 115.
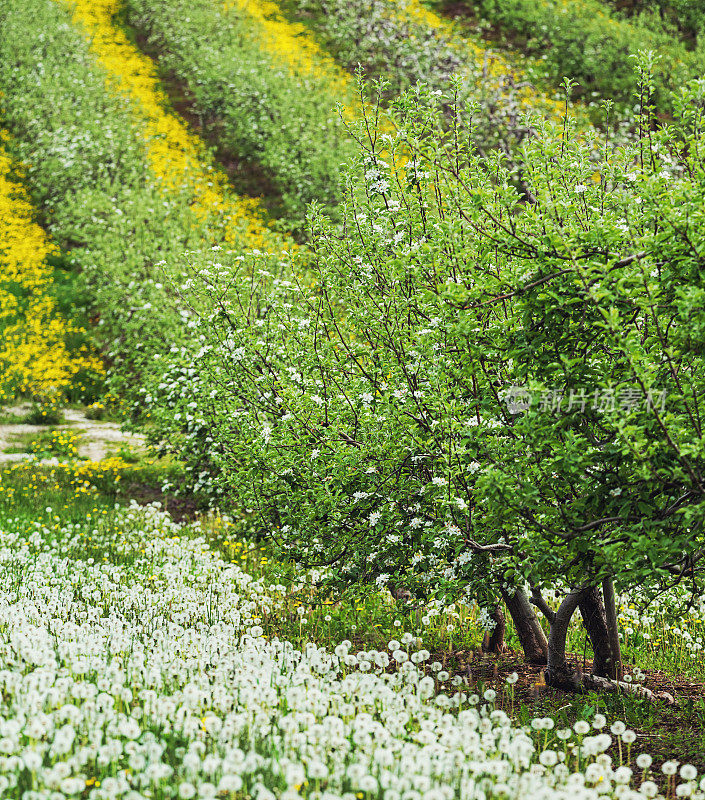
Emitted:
pixel 622 775
pixel 688 772
pixel 204 704
pixel 400 656
pixel 643 761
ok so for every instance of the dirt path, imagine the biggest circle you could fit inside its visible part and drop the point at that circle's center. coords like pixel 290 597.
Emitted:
pixel 98 439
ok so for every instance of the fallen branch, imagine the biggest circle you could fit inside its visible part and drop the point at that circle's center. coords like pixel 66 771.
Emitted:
pixel 607 685
pixel 578 683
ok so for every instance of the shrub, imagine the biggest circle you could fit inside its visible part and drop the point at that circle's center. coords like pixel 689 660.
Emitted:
pixel 682 16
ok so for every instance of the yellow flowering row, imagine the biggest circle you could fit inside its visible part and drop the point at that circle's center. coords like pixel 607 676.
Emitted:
pixel 293 45
pixel 34 357
pixel 177 159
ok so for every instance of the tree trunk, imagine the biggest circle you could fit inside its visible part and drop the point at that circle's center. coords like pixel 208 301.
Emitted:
pixel 606 663
pixel 559 673
pixel 562 675
pixel 494 639
pixel 529 630
pixel 612 629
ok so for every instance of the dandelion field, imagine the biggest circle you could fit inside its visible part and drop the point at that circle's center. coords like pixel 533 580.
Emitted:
pixel 400 306
pixel 148 658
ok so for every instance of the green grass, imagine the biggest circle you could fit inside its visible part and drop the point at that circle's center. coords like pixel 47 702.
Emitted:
pixel 19 443
pixel 74 490
pixel 662 731
pixel 26 492
pixel 42 415
pixel 366 616
pixel 37 415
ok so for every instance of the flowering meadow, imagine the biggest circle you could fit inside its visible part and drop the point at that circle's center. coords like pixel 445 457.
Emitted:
pixel 140 662
pixel 406 302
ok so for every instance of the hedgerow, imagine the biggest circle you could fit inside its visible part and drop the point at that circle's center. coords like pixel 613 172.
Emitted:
pixel 588 42
pixel 403 44
pixel 263 91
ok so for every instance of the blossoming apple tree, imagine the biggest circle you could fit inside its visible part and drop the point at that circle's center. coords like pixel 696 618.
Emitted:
pixel 480 388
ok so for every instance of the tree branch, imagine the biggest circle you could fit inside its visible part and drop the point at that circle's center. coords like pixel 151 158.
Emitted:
pixel 538 600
